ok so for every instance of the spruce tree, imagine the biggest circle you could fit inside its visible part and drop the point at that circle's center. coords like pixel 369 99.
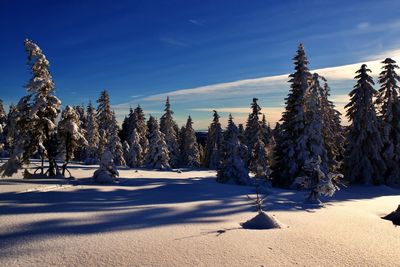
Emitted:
pixel 214 143
pixel 157 156
pixel 104 113
pixel 3 122
pixel 167 127
pixel 139 123
pixel 312 137
pixel 290 147
pixel 388 103
pixel 233 168
pixel 253 126
pixel 114 145
pixel 332 131
pixel 267 137
pixel 363 160
pixel 127 127
pixel 191 155
pixel 20 136
pixel 135 152
pixel 92 135
pixel 70 135
pixel 37 115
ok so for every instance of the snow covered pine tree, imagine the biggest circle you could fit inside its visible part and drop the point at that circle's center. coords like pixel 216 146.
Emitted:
pixel 157 156
pixel 92 136
pixel 388 103
pixel 191 155
pixel 363 159
pixel 288 160
pixel 214 143
pixel 70 135
pixel 167 127
pixel 36 115
pixel 232 168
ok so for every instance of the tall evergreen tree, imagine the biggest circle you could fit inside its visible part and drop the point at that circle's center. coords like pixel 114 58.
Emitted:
pixel 104 113
pixel 214 143
pixel 92 135
pixel 3 123
pixel 233 168
pixel 127 127
pixel 332 131
pixel 363 160
pixel 35 119
pixel 167 127
pixel 139 123
pixel 135 158
pixel 388 103
pixel 191 155
pixel 253 126
pixel 115 145
pixel 266 131
pixel 312 137
pixel 157 156
pixel 288 160
pixel 70 134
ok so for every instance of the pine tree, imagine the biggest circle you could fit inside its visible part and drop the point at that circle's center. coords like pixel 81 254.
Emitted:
pixel 92 135
pixel 363 160
pixel 127 127
pixel 157 156
pixel 20 135
pixel 37 114
pixel 214 143
pixel 232 168
pixel 3 122
pixel 139 123
pixel 135 152
pixel 126 148
pixel 388 103
pixel 114 145
pixel 312 137
pixel 267 137
pixel 259 159
pixel 80 151
pixel 332 131
pixel 191 155
pixel 70 134
pixel 104 113
pixel 252 126
pixel 167 127
pixel 290 147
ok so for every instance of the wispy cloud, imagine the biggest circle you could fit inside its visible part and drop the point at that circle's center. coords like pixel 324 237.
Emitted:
pixel 363 26
pixel 173 41
pixel 235 97
pixel 196 22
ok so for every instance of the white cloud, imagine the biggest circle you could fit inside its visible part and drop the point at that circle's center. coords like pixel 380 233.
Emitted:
pixel 235 97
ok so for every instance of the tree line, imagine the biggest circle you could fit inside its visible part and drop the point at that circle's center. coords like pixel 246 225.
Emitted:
pixel 307 148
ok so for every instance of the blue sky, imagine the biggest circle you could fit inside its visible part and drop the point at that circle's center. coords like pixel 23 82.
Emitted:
pixel 142 51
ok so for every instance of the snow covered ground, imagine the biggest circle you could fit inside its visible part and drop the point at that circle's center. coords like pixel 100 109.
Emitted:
pixel 153 218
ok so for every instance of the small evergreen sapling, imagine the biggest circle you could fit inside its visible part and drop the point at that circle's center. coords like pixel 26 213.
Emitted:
pixel 107 172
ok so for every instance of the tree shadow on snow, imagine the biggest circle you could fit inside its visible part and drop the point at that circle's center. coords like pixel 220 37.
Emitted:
pixel 138 203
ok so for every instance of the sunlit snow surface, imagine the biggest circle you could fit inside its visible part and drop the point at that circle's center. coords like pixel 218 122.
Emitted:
pixel 157 218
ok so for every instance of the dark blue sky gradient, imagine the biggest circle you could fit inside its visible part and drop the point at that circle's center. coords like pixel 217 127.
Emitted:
pixel 141 48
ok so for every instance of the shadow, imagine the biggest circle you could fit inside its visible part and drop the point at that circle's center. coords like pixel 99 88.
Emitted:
pixel 138 203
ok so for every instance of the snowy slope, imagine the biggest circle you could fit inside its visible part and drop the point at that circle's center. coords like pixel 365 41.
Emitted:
pixel 154 218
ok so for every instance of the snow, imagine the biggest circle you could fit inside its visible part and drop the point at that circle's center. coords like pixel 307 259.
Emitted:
pixel 154 218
